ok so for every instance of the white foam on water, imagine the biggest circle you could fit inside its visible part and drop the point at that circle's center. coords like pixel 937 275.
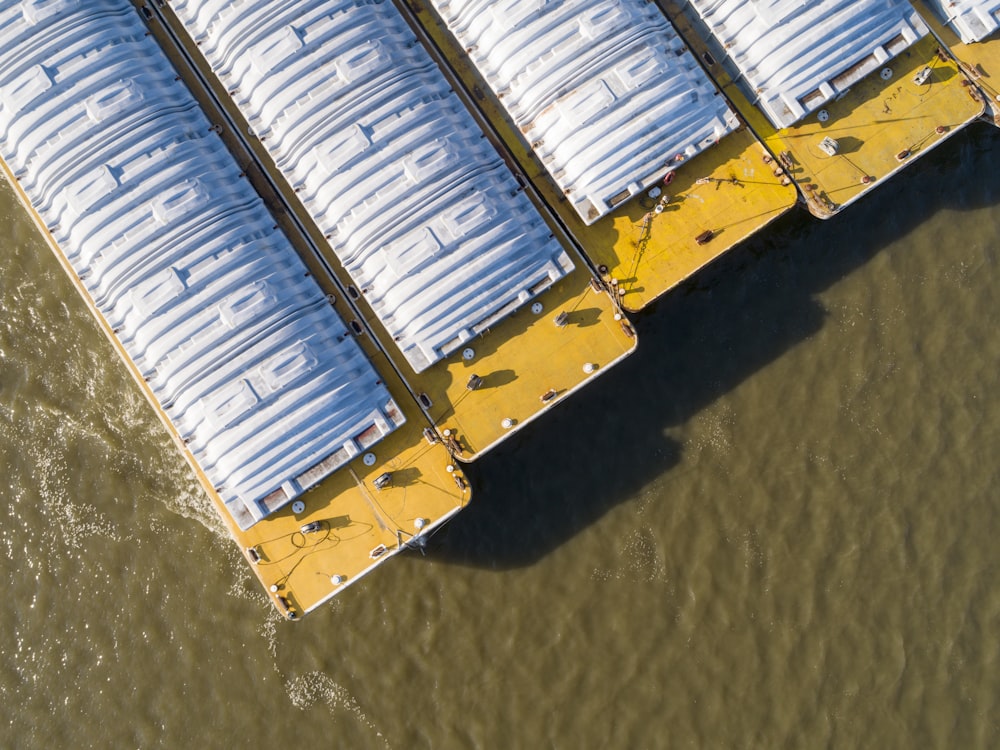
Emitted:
pixel 54 480
pixel 315 687
pixel 642 561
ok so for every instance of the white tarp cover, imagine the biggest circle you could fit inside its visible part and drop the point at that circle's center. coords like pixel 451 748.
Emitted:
pixel 606 93
pixel 798 54
pixel 974 20
pixel 239 345
pixel 417 205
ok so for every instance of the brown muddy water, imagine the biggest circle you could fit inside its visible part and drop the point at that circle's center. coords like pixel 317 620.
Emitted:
pixel 774 526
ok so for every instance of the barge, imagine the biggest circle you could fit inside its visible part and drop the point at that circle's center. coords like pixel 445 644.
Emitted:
pixel 345 247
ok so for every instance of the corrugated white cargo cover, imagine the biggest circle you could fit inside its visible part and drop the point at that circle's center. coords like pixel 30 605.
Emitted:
pixel 797 54
pixel 419 208
pixel 239 345
pixel 974 20
pixel 604 91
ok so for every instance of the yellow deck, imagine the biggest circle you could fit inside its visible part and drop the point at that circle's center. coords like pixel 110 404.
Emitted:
pixel 670 254
pixel 355 517
pixel 874 122
pixel 527 364
pixel 980 60
pixel 727 190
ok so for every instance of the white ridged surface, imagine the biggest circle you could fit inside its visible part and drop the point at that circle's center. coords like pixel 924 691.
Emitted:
pixel 604 90
pixel 974 20
pixel 798 54
pixel 417 205
pixel 241 348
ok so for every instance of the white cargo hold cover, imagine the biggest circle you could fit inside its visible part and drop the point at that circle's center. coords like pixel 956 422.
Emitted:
pixel 798 54
pixel 241 348
pixel 606 93
pixel 974 20
pixel 424 215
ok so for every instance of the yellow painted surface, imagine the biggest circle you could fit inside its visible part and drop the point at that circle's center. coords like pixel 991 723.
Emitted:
pixel 873 123
pixel 649 246
pixel 354 517
pixel 523 358
pixel 732 211
pixel 980 60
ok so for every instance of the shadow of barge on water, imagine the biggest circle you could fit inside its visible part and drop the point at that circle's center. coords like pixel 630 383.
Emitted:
pixel 536 491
